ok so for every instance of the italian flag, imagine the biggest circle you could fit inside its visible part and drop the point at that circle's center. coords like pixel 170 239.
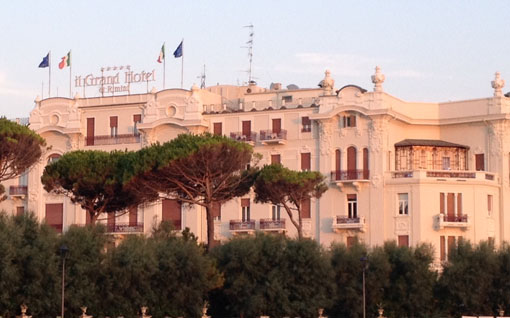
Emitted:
pixel 161 54
pixel 66 61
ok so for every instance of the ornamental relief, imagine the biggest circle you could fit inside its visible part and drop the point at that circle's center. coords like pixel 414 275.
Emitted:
pixel 326 135
pixel 497 136
pixel 377 130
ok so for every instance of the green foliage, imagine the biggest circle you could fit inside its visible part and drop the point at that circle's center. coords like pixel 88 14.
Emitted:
pixel 471 283
pixel 271 275
pixel 94 179
pixel 20 148
pixel 288 188
pixel 195 169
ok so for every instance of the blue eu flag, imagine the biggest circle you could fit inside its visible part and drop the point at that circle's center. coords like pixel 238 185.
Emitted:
pixel 178 51
pixel 45 61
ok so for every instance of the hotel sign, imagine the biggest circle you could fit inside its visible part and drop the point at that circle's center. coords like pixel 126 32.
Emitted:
pixel 117 80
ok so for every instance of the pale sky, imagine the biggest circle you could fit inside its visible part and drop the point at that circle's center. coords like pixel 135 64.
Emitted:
pixel 430 51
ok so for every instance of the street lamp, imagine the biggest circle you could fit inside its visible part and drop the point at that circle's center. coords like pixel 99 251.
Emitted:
pixel 364 263
pixel 63 253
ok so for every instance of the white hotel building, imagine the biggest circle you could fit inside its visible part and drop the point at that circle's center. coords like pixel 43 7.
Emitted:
pixel 396 170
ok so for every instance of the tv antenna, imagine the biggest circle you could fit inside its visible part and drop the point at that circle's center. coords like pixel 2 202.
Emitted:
pixel 202 78
pixel 250 50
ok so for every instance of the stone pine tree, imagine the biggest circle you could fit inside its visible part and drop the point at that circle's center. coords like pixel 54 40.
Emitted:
pixel 288 188
pixel 20 148
pixel 94 179
pixel 199 170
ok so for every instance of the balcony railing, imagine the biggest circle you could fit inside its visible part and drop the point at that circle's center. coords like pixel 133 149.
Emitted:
pixel 444 174
pixel 269 136
pixel 242 226
pixel 347 175
pixel 125 228
pixel 349 223
pixel 270 224
pixel 112 140
pixel 18 190
pixel 445 220
pixel 251 137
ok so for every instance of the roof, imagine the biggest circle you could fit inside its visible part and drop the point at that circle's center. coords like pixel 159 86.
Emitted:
pixel 428 142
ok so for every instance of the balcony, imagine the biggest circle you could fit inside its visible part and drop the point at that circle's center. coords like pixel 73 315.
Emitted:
pixel 18 191
pixel 443 175
pixel 346 223
pixel 451 221
pixel 354 177
pixel 112 140
pixel 122 228
pixel 249 138
pixel 268 137
pixel 270 225
pixel 240 227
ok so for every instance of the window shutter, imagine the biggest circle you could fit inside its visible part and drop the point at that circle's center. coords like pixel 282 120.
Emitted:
pixel 277 125
pixel 305 209
pixel 113 121
pixel 480 162
pixel 441 203
pixel 246 128
pixel 110 222
pixel 450 200
pixel 337 161
pixel 217 129
pixel 54 215
pixel 133 216
pixel 442 250
pixel 172 212
pixel 305 161
pixel 90 132
pixel 245 202
pixel 20 210
pixel 275 159
pixel 459 204
pixel 403 240
pixel 353 121
pixel 137 118
pixel 451 243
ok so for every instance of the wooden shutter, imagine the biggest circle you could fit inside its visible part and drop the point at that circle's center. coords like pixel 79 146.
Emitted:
pixel 277 125
pixel 216 210
pixel 90 132
pixel 133 216
pixel 275 159
pixel 113 121
pixel 306 209
pixel 442 250
pixel 441 203
pixel 20 210
pixel 459 204
pixel 345 121
pixel 366 173
pixel 337 164
pixel 172 212
pixel 353 121
pixel 351 240
pixel 55 215
pixel 480 162
pixel 403 240
pixel 450 203
pixel 245 202
pixel 305 161
pixel 137 118
pixel 217 129
pixel 246 128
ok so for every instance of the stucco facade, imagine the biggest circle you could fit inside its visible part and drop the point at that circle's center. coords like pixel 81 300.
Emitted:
pixel 397 170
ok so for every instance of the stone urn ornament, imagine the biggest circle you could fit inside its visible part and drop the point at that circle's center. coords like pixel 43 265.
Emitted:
pixel 143 310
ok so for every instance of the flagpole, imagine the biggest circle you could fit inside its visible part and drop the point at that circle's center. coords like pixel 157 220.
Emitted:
pixel 182 63
pixel 164 65
pixel 49 74
pixel 70 71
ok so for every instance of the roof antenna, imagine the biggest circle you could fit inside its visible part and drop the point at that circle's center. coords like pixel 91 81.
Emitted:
pixel 250 51
pixel 202 79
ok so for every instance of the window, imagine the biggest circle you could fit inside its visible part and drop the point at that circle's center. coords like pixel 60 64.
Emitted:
pixel 480 162
pixel 245 210
pixel 450 205
pixel 446 163
pixel 276 212
pixel 306 124
pixel 351 241
pixel 171 212
pixel 403 240
pixel 55 215
pixel 54 157
pixel 246 129
pixel 217 129
pixel 216 211
pixel 90 132
pixel 349 121
pixel 275 159
pixel 352 206
pixel 446 247
pixel 305 161
pixel 403 204
pixel 133 216
pixel 306 207
pixel 489 204
pixel 110 222
pixel 23 178
pixel 113 126
pixel 277 126
pixel 136 120
pixel 20 210
pixel 287 99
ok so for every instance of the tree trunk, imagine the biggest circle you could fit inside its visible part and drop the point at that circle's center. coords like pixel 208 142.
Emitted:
pixel 210 227
pixel 300 227
pixel 93 216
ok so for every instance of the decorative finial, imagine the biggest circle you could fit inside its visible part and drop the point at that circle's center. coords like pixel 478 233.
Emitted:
pixel 77 96
pixel 327 83
pixel 498 84
pixel 143 310
pixel 37 99
pixel 378 78
pixel 204 310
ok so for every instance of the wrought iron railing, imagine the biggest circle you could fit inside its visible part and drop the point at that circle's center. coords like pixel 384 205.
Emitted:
pixel 112 140
pixel 128 227
pixel 270 224
pixel 18 190
pixel 267 135
pixel 239 225
pixel 343 175
pixel 240 137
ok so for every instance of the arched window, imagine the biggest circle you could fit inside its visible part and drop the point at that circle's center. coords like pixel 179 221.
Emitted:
pixel 351 163
pixel 53 157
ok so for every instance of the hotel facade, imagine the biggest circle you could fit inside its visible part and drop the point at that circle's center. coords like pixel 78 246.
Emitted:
pixel 396 170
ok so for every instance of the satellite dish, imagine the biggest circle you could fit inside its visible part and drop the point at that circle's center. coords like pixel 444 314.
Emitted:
pixel 292 86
